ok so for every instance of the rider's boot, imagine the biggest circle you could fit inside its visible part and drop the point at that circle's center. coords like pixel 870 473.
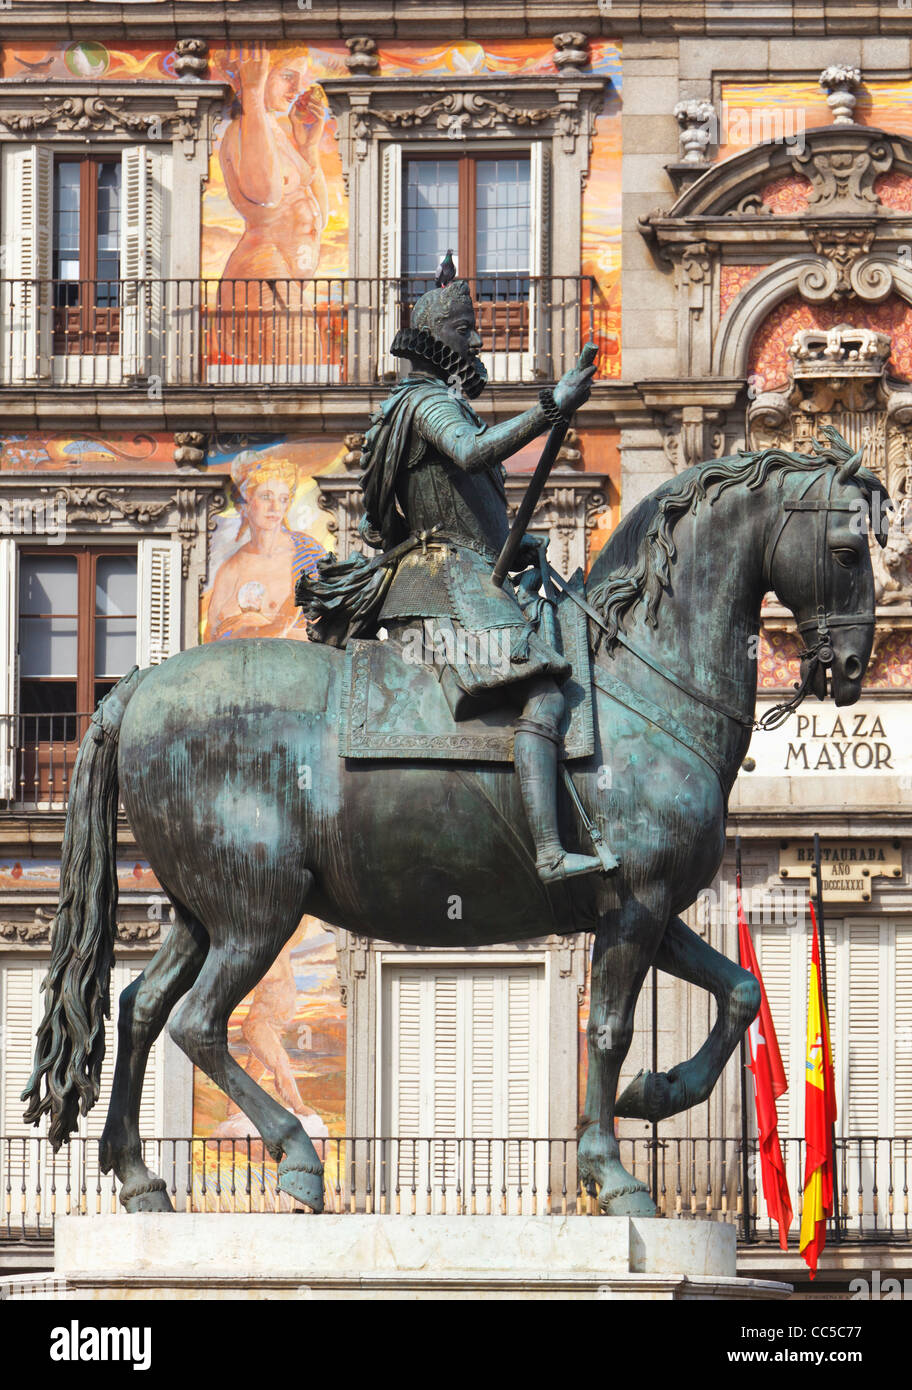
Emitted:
pixel 535 749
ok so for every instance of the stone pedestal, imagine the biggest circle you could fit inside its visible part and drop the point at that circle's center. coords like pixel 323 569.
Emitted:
pixel 391 1257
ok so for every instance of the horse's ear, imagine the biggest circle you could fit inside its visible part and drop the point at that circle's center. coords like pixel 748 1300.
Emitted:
pixel 851 466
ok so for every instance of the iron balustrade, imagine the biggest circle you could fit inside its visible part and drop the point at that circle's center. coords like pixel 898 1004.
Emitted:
pixel 37 756
pixel 438 1175
pixel 149 334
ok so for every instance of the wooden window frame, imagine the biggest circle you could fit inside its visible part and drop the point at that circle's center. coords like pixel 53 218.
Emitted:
pixel 503 324
pixel 87 557
pixel 85 327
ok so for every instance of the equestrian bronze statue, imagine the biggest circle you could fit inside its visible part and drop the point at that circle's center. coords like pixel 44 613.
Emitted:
pixel 489 750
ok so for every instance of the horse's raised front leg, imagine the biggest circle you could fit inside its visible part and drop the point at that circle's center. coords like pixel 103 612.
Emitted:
pixel 143 1012
pixel 624 948
pixel 685 955
pixel 200 1028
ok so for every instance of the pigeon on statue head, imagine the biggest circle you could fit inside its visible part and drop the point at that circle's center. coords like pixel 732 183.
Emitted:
pixel 446 271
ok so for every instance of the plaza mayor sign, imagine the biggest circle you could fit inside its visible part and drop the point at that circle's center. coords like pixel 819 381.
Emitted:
pixel 846 867
pixel 873 738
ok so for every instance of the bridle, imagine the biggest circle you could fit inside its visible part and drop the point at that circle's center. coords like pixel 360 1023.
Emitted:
pixel 818 653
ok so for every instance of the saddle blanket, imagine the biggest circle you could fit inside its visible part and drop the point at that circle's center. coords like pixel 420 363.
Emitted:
pixel 392 708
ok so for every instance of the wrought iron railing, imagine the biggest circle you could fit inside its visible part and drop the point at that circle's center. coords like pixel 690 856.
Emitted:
pixel 37 755
pixel 697 1179
pixel 274 332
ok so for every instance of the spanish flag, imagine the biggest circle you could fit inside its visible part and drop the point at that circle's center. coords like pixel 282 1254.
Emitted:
pixel 819 1117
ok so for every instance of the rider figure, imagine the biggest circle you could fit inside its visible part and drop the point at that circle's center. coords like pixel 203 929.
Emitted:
pixel 431 465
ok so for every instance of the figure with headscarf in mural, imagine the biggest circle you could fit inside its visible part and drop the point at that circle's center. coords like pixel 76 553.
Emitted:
pixel 253 590
pixel 270 159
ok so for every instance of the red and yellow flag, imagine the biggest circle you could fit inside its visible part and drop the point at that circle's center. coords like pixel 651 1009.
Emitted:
pixel 769 1085
pixel 819 1117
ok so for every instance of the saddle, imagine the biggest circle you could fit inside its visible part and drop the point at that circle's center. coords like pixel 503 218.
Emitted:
pixel 391 708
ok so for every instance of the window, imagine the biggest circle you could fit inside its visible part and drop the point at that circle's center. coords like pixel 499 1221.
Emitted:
pixel 86 254
pixel 481 209
pixel 76 638
pixel 77 628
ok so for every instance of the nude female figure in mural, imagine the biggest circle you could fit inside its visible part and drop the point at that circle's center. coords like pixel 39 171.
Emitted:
pixel 272 1009
pixel 270 158
pixel 253 590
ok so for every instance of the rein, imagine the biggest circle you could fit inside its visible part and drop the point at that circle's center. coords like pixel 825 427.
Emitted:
pixel 820 654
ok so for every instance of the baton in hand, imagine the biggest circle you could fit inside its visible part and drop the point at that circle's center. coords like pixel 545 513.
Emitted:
pixel 536 487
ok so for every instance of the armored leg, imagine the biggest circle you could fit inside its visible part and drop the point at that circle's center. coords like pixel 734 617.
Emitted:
pixel 535 756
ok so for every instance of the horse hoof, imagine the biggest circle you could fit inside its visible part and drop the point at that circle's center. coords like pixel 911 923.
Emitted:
pixel 305 1185
pixel 151 1197
pixel 632 1201
pixel 648 1097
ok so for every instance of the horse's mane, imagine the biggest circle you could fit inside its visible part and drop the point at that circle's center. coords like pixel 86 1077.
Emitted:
pixel 641 551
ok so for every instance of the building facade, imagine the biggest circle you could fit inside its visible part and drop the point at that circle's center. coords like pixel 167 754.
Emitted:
pixel 214 219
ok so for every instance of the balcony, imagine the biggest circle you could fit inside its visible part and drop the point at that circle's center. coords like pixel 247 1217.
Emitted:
pixel 691 1179
pixel 157 334
pixel 37 756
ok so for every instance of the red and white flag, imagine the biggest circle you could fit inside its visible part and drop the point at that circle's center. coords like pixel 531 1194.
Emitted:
pixel 769 1084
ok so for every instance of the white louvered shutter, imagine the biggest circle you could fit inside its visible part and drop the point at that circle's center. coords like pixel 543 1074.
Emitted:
pixel 9 618
pixel 141 261
pixel 902 985
pixel 774 952
pixel 159 588
pixel 861 1068
pixel 21 1010
pixel 28 189
pixel 390 254
pixel 467 1060
pixel 540 294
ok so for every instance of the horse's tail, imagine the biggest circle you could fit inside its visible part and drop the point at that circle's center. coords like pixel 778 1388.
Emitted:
pixel 71 1041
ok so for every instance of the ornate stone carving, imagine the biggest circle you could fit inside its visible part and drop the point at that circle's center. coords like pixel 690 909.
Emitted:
pixel 100 504
pixel 692 433
pixel 842 247
pixel 695 119
pixel 91 114
pixel 190 448
pixel 191 59
pixel 36 931
pixel 457 113
pixel 842 181
pixel 180 112
pixel 571 52
pixel 362 55
pixel 838 376
pixel 840 82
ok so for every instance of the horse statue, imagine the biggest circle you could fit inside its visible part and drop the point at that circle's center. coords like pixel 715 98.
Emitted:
pixel 206 752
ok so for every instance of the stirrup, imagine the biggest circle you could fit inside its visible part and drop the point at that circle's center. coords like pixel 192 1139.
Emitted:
pixel 570 866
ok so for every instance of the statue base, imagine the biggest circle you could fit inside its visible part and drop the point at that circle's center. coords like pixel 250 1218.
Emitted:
pixel 200 1256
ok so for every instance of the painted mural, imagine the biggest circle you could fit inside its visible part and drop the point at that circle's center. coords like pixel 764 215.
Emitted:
pixel 275 212
pixel 43 876
pixel 62 450
pixel 289 1034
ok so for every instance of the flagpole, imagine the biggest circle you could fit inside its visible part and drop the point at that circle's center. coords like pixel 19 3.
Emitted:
pixel 745 1161
pixel 818 895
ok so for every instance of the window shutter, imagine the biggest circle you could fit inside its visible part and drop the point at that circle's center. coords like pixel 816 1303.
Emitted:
pixel 861 1064
pixel 902 1030
pixel 28 172
pixel 22 1012
pixel 540 296
pixel 9 619
pixel 140 261
pixel 775 956
pixel 159 589
pixel 390 254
